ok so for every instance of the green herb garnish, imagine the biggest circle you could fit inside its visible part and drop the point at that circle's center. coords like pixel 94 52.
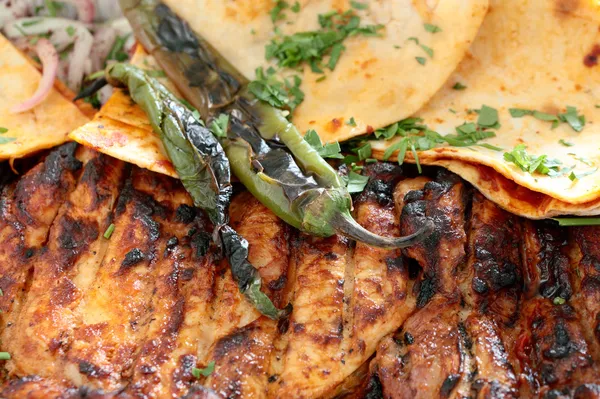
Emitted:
pixel 566 143
pixel 3 130
pixel 581 221
pixel 488 117
pixel 109 231
pixel 277 11
pixel 208 370
pixel 428 50
pixel 359 6
pixel 296 7
pixel 459 86
pixel 4 356
pixel 571 116
pixel 421 60
pixel 116 52
pixel 330 150
pixel 220 125
pixel 356 182
pixel 532 163
pixel 559 301
pixel 351 122
pixel 70 31
pixel 432 28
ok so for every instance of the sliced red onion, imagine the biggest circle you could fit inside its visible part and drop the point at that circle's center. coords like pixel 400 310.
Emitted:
pixel 40 25
pixel 86 9
pixel 49 57
pixel 104 39
pixel 78 58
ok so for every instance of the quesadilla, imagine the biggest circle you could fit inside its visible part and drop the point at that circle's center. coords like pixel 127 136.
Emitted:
pixel 536 63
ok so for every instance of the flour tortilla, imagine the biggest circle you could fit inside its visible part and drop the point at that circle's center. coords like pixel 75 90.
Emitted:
pixel 374 82
pixel 45 126
pixel 533 54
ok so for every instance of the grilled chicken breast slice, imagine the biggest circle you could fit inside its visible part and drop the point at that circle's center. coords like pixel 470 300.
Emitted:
pixel 26 212
pixel 440 254
pixel 63 271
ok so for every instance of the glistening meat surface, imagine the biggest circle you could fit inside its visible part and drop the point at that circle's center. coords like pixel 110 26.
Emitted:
pixel 489 306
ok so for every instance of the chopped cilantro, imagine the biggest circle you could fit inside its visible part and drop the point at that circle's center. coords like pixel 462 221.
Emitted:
pixel 277 11
pixel 396 46
pixel 351 122
pixel 109 231
pixel 356 182
pixel 421 60
pixel 432 28
pixel 70 31
pixel 452 110
pixel 582 221
pixel 93 100
pixel 279 94
pixel 459 86
pixel 296 7
pixel 31 22
pixel 572 176
pixel 364 151
pixel 4 356
pixel 359 6
pixel 220 125
pixel 571 116
pixel 3 130
pixel 566 143
pixel 532 163
pixel 321 78
pixel 559 301
pixel 52 7
pixel 586 173
pixel 488 117
pixel 414 39
pixel 253 31
pixel 330 150
pixel 208 370
pixel 428 50
pixel 336 52
pixel 116 52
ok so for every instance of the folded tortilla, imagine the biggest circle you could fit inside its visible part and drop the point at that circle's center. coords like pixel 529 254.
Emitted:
pixel 377 81
pixel 121 128
pixel 538 55
pixel 43 127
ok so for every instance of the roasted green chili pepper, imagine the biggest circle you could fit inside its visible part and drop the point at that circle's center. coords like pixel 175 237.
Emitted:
pixel 202 167
pixel 266 151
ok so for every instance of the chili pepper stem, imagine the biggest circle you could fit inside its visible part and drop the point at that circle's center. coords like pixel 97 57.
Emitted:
pixel 345 225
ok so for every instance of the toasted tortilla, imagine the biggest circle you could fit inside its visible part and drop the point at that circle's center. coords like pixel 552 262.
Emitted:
pixel 377 80
pixel 46 125
pixel 121 128
pixel 535 54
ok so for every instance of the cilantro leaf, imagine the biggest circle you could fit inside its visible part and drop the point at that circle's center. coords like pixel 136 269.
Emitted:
pixel 428 50
pixel 330 150
pixel 488 117
pixel 351 122
pixel 3 130
pixel 532 163
pixel 208 370
pixel 566 143
pixel 359 6
pixel 576 121
pixel 459 86
pixel 277 11
pixel 571 117
pixel 356 182
pixel 296 7
pixel 220 125
pixel 432 28
pixel 421 60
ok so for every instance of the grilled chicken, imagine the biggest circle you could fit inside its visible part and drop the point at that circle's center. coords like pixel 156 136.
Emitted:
pixel 489 306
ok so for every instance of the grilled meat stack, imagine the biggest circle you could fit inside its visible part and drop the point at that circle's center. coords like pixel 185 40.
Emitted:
pixel 489 306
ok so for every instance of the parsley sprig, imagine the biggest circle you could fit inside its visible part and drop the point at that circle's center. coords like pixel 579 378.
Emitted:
pixel 416 136
pixel 316 49
pixel 571 116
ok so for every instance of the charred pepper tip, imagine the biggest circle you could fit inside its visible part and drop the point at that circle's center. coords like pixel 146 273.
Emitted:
pixel 347 226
